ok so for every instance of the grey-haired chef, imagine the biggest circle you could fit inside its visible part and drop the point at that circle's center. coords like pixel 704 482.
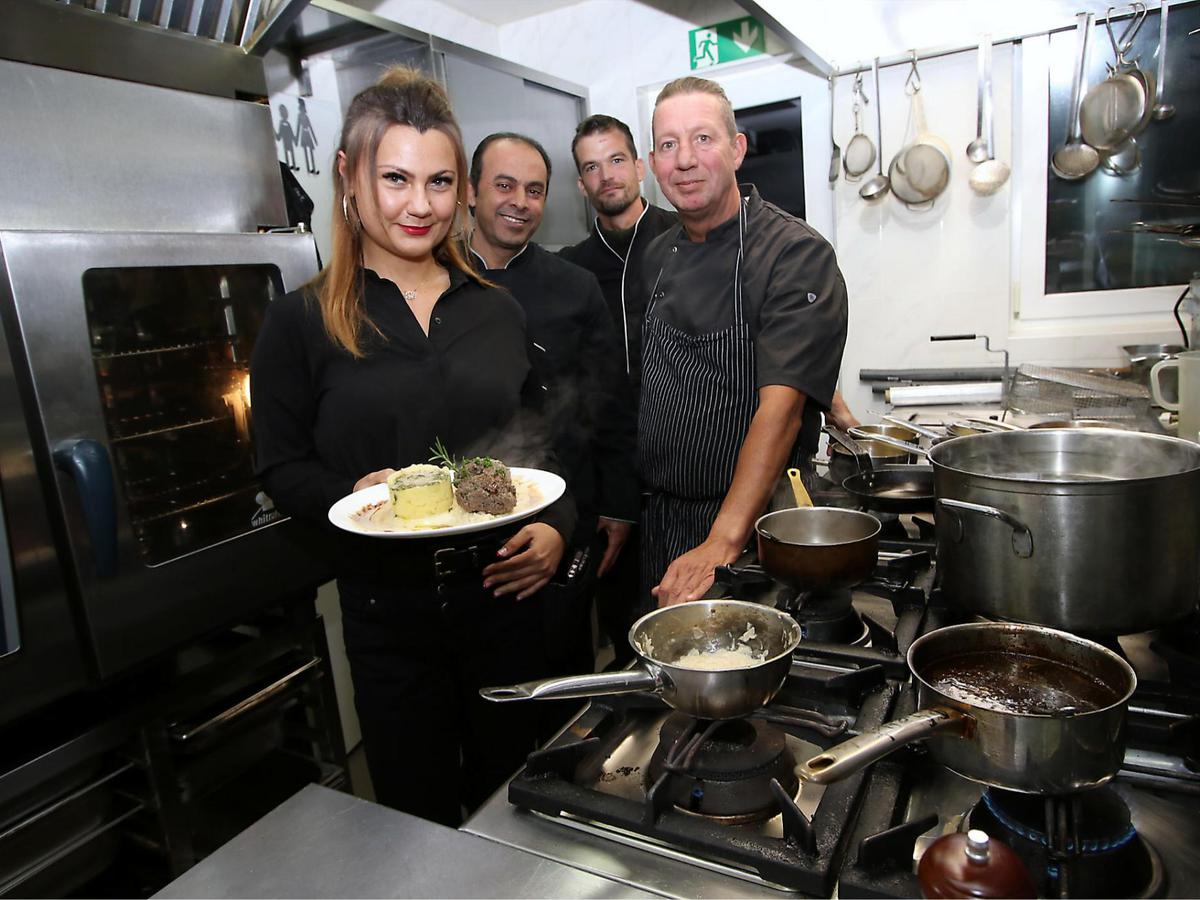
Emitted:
pixel 741 347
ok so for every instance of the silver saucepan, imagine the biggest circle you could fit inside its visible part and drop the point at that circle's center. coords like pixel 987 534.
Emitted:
pixel 1019 707
pixel 661 638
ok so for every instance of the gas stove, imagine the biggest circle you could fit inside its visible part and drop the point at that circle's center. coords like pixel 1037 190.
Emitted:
pixel 682 807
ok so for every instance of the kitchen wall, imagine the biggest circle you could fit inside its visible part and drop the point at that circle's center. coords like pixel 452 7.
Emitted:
pixel 624 51
pixel 971 264
pixel 913 274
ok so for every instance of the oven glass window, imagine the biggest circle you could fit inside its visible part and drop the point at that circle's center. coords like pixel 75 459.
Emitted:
pixel 171 348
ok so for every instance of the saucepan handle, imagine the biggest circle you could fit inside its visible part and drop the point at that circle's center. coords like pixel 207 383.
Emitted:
pixel 861 457
pixel 859 752
pixel 1022 537
pixel 890 441
pixel 631 681
pixel 913 426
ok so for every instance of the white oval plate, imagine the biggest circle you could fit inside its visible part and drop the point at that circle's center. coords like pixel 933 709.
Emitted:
pixel 348 512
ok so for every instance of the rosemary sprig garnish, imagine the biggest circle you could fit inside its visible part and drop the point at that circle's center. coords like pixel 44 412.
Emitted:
pixel 442 457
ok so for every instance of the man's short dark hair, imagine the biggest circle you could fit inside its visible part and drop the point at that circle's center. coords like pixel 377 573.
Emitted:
pixel 600 123
pixel 477 156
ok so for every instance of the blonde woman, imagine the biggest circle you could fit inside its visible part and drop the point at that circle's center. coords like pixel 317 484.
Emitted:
pixel 396 345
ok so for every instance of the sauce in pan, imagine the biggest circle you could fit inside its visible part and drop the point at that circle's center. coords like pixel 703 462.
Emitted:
pixel 1015 683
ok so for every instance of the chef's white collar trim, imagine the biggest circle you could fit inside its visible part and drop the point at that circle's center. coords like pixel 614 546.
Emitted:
pixel 506 265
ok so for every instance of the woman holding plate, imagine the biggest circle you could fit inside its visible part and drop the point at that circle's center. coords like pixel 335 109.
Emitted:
pixel 397 345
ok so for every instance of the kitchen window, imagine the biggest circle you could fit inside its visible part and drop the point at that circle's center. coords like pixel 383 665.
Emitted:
pixel 1107 232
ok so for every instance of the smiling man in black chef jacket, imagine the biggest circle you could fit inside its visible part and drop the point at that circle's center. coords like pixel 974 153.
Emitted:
pixel 741 346
pixel 576 352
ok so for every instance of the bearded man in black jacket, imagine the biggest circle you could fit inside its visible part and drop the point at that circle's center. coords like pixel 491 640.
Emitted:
pixel 610 176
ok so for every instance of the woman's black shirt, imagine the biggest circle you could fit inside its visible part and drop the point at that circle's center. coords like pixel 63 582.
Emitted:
pixel 323 419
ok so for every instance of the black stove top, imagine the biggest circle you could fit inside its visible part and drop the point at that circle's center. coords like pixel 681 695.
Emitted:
pixel 724 796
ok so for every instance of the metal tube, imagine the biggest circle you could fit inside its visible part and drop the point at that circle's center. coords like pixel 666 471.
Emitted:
pixel 906 58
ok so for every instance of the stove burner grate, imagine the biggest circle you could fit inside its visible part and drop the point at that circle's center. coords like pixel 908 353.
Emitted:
pixel 1083 845
pixel 722 770
pixel 1086 845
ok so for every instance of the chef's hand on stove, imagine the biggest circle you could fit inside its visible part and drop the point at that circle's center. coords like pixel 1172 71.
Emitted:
pixel 374 478
pixel 616 533
pixel 528 560
pixel 690 575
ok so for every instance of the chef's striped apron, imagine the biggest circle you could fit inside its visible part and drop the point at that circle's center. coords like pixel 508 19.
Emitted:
pixel 698 397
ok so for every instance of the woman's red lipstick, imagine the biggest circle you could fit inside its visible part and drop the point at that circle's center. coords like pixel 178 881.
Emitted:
pixel 416 230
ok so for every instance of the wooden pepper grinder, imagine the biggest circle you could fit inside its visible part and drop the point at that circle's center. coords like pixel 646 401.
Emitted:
pixel 973 865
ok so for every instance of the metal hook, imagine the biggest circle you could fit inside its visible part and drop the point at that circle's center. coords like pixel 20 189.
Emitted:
pixel 912 83
pixel 858 89
pixel 1124 44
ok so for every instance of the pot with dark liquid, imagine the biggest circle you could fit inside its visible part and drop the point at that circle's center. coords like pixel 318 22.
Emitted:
pixel 1020 707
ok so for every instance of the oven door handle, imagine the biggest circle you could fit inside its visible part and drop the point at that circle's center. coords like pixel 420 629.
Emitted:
pixel 86 461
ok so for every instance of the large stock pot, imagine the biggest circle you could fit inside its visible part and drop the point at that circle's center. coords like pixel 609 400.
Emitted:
pixel 1090 531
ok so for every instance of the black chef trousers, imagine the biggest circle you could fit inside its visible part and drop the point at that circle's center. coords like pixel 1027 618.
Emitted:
pixel 418 656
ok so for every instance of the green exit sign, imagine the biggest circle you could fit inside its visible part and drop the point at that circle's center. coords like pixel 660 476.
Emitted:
pixel 726 42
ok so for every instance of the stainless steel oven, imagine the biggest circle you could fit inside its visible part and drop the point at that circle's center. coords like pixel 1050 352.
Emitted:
pixel 131 351
pixel 41 656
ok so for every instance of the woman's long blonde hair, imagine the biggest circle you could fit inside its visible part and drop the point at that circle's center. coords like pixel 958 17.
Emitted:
pixel 403 96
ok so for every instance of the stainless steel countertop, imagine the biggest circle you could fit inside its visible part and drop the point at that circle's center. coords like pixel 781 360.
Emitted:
pixel 500 821
pixel 322 843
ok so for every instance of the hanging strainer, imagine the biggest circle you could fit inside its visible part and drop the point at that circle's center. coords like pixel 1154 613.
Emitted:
pixel 860 152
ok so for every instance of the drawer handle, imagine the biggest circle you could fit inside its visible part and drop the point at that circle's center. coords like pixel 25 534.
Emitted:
pixel 244 706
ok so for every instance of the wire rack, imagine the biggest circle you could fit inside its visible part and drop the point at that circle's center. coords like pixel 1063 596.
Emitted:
pixel 1070 394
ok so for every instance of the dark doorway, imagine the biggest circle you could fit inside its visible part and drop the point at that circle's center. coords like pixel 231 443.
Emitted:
pixel 774 153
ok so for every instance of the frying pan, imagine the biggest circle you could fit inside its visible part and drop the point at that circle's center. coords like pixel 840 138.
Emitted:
pixel 662 637
pixel 897 489
pixel 1020 707
pixel 894 488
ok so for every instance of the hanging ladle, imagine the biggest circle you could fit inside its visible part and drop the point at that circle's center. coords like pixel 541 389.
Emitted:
pixel 1162 109
pixel 835 161
pixel 1075 159
pixel 879 184
pixel 980 148
pixel 991 174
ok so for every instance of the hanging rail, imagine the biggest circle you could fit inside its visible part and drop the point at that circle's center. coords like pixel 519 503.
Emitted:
pixel 906 58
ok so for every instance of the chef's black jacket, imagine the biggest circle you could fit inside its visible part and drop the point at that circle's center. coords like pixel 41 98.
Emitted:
pixel 614 268
pixel 323 419
pixel 589 406
pixel 794 298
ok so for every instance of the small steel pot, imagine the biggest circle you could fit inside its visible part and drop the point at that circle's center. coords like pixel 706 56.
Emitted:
pixel 1047 715
pixel 880 451
pixel 662 637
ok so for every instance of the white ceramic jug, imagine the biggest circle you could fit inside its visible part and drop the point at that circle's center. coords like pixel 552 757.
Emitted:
pixel 1189 392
